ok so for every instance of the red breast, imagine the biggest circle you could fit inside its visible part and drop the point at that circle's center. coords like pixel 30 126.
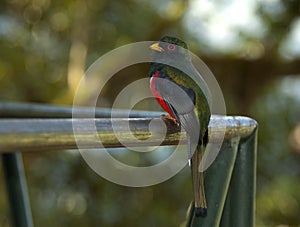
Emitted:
pixel 156 94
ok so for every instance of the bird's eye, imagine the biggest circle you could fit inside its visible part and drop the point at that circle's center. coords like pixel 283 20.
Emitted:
pixel 171 47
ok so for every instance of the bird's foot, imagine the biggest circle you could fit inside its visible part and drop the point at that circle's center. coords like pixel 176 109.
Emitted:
pixel 166 117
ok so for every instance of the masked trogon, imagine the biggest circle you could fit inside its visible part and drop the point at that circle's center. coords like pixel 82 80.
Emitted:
pixel 180 95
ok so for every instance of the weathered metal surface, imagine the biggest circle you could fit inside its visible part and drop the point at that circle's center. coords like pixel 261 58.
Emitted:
pixel 50 134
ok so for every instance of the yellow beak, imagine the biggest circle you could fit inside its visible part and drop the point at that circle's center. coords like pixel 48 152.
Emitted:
pixel 156 47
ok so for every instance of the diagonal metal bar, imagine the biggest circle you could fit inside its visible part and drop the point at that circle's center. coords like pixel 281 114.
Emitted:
pixel 240 202
pixel 17 190
pixel 217 179
pixel 232 177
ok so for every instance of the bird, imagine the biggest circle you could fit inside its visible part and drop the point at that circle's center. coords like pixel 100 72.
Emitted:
pixel 173 82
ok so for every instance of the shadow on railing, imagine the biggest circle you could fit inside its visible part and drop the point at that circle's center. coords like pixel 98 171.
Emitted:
pixel 230 181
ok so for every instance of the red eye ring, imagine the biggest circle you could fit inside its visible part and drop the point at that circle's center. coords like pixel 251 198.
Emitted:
pixel 171 47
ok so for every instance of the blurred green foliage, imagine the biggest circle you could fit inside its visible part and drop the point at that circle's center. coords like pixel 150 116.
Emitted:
pixel 252 47
pixel 278 164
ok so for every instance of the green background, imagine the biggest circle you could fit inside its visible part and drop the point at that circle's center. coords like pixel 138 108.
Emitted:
pixel 253 49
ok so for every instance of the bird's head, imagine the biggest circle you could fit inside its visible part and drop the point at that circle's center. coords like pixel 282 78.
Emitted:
pixel 170 48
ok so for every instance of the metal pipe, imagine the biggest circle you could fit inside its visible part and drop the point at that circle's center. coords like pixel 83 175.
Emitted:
pixel 231 176
pixel 53 134
pixel 217 179
pixel 17 190
pixel 31 110
pixel 241 199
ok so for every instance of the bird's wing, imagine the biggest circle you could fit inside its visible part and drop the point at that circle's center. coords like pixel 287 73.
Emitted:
pixel 181 101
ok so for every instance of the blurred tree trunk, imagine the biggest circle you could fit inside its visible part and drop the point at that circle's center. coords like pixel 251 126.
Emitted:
pixel 245 79
pixel 78 49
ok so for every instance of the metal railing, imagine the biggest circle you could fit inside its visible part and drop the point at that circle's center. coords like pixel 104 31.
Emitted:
pixel 230 181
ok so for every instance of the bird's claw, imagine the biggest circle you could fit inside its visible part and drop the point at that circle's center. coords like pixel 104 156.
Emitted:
pixel 166 117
